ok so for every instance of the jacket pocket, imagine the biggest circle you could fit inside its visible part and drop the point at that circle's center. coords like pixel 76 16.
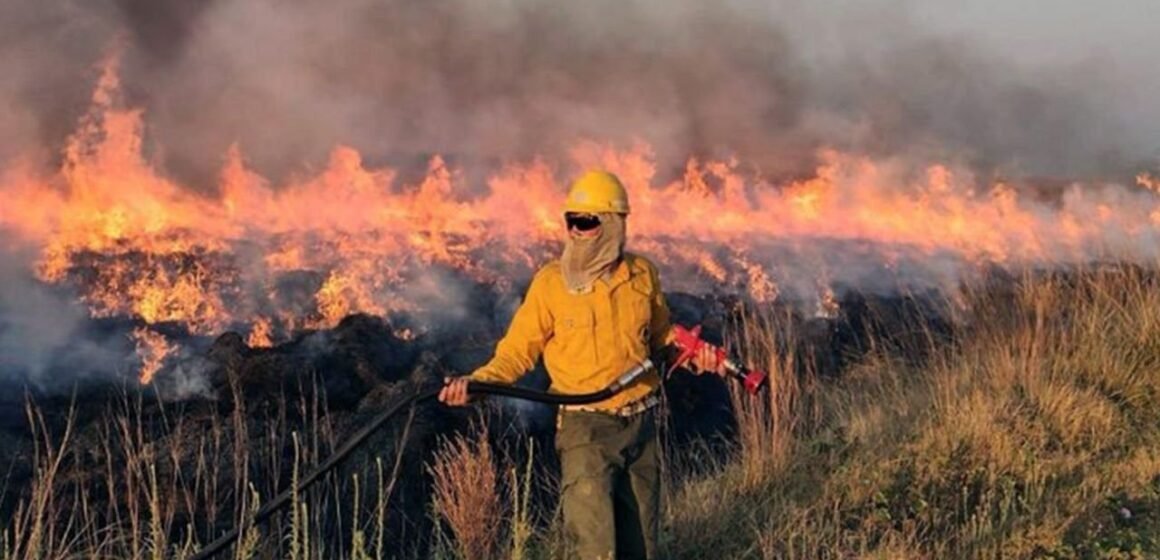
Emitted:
pixel 575 338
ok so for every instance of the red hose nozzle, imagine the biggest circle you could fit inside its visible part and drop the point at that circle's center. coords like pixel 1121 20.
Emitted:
pixel 690 343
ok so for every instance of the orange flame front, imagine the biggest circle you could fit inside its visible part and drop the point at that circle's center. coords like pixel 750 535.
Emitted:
pixel 136 244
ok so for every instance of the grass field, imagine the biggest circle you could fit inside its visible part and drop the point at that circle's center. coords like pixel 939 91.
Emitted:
pixel 1030 431
pixel 1033 433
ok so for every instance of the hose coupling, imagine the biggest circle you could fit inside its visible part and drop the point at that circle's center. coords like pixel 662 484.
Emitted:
pixel 631 375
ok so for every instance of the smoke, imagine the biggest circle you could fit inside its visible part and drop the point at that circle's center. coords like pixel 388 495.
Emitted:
pixel 48 339
pixel 768 82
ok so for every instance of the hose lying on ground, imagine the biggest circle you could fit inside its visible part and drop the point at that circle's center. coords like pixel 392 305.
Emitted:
pixel 359 437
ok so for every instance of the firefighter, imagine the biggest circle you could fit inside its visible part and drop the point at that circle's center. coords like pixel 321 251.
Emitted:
pixel 592 314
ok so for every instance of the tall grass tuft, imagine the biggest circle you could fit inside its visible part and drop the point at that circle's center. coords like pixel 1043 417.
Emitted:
pixel 766 422
pixel 521 485
pixel 467 494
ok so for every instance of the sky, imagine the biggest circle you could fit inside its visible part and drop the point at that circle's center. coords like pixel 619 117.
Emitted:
pixel 1124 34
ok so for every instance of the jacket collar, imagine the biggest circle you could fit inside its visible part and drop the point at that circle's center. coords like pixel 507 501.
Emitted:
pixel 625 271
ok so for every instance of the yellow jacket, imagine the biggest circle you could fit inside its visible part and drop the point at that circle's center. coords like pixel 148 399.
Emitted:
pixel 587 340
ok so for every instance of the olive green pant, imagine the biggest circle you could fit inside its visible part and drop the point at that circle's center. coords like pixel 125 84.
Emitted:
pixel 610 483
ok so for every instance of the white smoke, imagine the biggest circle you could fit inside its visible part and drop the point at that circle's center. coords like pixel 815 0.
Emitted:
pixel 43 330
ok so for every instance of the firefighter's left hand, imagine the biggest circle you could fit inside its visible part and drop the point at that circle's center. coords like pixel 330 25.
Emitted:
pixel 706 361
pixel 454 391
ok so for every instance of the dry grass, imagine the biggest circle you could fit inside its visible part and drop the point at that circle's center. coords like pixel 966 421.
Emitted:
pixel 766 422
pixel 467 495
pixel 138 484
pixel 488 501
pixel 1018 440
pixel 523 526
pixel 34 532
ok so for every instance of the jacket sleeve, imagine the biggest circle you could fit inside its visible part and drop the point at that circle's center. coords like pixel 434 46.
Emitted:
pixel 660 326
pixel 521 347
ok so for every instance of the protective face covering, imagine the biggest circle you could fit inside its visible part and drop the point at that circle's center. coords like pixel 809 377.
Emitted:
pixel 587 259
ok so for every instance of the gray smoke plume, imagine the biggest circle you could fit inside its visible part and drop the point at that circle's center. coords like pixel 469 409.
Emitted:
pixel 45 331
pixel 767 81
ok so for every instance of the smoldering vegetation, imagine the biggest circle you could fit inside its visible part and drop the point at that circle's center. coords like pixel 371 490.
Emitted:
pixel 79 330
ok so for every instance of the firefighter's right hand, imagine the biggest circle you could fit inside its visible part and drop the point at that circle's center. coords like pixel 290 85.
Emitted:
pixel 707 360
pixel 454 392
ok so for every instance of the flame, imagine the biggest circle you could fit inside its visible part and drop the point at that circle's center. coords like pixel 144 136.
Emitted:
pixel 1147 181
pixel 268 259
pixel 828 306
pixel 260 334
pixel 152 348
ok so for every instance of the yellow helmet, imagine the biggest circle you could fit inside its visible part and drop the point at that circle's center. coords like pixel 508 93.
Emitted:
pixel 597 191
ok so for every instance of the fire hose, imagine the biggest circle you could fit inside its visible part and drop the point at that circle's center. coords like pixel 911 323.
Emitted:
pixel 688 341
pixel 357 439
